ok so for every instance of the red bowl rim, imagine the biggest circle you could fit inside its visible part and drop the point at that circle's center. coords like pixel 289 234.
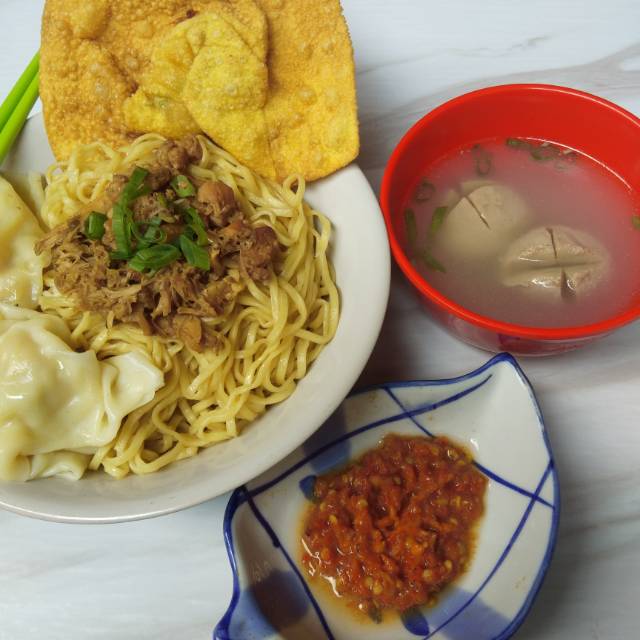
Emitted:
pixel 431 293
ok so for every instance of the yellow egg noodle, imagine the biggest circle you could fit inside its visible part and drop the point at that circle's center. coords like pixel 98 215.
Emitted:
pixel 268 338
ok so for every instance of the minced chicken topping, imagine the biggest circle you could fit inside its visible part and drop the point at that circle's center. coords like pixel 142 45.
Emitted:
pixel 160 249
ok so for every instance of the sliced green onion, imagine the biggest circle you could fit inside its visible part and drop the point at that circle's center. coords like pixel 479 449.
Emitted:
pixel 411 228
pixel 183 187
pixel 437 219
pixel 544 153
pixel 153 234
pixel 164 204
pixel 135 187
pixel 121 223
pixel 194 221
pixel 635 221
pixel 154 258
pixel 195 255
pixel 94 225
pixel 119 255
pixel 482 159
pixel 425 191
pixel 430 262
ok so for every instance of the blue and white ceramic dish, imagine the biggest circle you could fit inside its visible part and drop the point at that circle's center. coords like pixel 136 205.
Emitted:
pixel 493 412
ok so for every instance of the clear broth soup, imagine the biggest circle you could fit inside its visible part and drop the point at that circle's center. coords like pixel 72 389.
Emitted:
pixel 580 266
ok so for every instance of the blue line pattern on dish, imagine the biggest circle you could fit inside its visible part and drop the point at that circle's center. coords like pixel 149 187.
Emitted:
pixel 252 624
pixel 367 427
pixel 553 531
pixel 221 632
pixel 307 486
pixel 276 543
pixel 504 554
pixel 247 621
pixel 414 621
pixel 456 626
pixel 411 415
pixel 479 621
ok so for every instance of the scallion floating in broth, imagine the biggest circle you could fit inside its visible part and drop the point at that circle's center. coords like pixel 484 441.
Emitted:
pixel 531 232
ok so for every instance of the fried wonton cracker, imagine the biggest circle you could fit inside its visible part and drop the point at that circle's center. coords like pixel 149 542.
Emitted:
pixel 248 20
pixel 271 81
pixel 92 53
pixel 309 123
pixel 204 72
pixel 311 112
pixel 82 97
pixel 95 52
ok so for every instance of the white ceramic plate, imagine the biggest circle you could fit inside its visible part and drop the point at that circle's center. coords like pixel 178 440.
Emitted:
pixel 361 258
pixel 494 414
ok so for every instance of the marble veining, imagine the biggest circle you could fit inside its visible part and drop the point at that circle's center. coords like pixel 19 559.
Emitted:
pixel 168 578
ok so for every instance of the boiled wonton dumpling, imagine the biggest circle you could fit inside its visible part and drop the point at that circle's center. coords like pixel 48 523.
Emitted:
pixel 483 222
pixel 58 406
pixel 30 189
pixel 20 268
pixel 556 262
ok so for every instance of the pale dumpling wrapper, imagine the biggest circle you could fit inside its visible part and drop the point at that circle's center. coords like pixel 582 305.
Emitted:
pixel 555 261
pixel 483 222
pixel 58 406
pixel 20 267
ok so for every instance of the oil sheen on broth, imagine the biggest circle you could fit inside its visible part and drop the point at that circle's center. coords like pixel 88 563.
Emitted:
pixel 526 231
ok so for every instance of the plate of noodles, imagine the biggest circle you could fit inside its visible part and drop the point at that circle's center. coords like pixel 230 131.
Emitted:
pixel 174 323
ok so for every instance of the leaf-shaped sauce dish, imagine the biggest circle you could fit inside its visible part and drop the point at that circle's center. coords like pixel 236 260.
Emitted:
pixel 491 412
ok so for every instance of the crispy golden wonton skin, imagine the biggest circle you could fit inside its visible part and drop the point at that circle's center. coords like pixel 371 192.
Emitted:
pixel 271 81
pixel 311 112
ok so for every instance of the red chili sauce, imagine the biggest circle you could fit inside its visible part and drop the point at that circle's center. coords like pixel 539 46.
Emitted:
pixel 395 527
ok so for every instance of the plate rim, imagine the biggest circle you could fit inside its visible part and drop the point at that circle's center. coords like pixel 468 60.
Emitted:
pixel 259 464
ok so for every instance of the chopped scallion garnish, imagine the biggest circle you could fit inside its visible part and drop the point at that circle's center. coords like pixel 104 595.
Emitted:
pixel 437 219
pixel 121 223
pixel 162 200
pixel 543 153
pixel 134 187
pixel 183 187
pixel 154 258
pixel 153 234
pixel 635 221
pixel 144 243
pixel 430 262
pixel 94 225
pixel 194 221
pixel 195 255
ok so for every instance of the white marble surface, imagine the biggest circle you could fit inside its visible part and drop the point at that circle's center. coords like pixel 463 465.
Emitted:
pixel 168 579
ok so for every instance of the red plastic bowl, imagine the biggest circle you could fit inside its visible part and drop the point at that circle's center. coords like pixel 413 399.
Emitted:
pixel 576 119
